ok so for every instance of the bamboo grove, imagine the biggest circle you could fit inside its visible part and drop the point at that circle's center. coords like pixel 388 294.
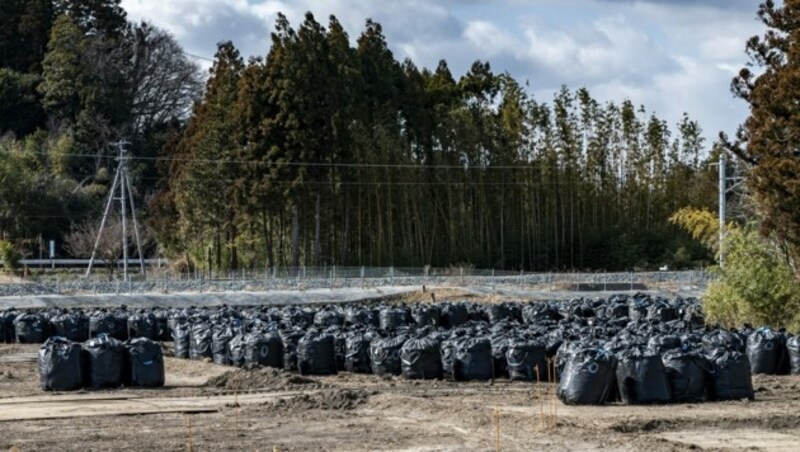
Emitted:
pixel 327 152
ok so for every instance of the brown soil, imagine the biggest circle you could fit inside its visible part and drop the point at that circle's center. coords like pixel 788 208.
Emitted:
pixel 266 409
pixel 262 378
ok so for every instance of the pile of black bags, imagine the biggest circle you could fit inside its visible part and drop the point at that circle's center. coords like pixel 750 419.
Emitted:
pixel 633 349
pixel 100 362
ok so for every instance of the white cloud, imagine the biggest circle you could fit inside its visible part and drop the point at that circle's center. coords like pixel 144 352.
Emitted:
pixel 488 38
pixel 671 56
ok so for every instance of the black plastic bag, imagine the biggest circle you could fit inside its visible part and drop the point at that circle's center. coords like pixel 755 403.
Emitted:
pixel 236 350
pixel 328 317
pixel 587 378
pixel 60 365
pixel 70 325
pixel 355 315
pixel 498 313
pixel 201 341
pixel 264 350
pixel 357 353
pixel 104 322
pixel 425 314
pixel 421 359
pixel 7 330
pixel 473 360
pixel 641 378
pixel 764 350
pixel 661 344
pixel 535 313
pixel 105 362
pixel 143 324
pixel 316 354
pixel 145 363
pixel 384 355
pixel 393 318
pixel 687 373
pixel 31 328
pixel 499 361
pixel 162 323
pixel 182 339
pixel 793 349
pixel 661 312
pixel 731 378
pixel 454 315
pixel 219 344
pixel 289 340
pixel 447 348
pixel 527 360
pixel 721 339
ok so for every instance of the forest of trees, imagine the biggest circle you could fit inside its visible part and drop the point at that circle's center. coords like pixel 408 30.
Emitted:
pixel 330 151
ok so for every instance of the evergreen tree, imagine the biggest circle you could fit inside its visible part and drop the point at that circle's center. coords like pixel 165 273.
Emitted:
pixel 768 140
pixel 24 31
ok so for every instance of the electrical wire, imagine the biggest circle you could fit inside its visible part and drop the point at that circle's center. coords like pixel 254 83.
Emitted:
pixel 420 166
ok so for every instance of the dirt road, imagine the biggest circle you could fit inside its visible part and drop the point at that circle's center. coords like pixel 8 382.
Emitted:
pixel 209 407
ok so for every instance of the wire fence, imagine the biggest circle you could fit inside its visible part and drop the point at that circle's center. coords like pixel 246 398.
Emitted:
pixel 161 281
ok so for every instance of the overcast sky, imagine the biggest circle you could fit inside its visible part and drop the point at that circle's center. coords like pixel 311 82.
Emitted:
pixel 669 55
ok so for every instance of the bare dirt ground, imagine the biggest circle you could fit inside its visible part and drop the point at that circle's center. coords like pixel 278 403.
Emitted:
pixel 210 407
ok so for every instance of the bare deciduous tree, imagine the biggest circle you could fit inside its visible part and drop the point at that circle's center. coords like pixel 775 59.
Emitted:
pixel 164 82
pixel 81 241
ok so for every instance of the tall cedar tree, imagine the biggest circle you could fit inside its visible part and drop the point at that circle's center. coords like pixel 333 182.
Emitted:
pixel 24 30
pixel 207 178
pixel 327 154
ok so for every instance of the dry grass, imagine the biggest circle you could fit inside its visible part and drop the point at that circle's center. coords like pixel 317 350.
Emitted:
pixel 436 295
pixel 6 278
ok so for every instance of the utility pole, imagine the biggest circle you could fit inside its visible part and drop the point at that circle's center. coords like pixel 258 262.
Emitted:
pixel 723 177
pixel 123 183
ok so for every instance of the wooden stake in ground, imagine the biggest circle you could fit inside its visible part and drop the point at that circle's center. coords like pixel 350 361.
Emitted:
pixel 497 428
pixel 539 398
pixel 189 434
pixel 236 410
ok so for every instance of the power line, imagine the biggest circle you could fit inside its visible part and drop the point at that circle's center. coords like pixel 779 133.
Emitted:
pixel 471 183
pixel 198 57
pixel 420 166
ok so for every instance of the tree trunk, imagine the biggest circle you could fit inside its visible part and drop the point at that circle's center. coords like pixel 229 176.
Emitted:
pixel 317 239
pixel 295 237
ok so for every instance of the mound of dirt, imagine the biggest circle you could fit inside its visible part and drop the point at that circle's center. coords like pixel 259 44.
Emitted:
pixel 341 399
pixel 247 379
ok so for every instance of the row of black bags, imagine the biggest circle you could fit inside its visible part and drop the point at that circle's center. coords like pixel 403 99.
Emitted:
pixel 317 352
pixel 594 376
pixel 100 362
pixel 34 327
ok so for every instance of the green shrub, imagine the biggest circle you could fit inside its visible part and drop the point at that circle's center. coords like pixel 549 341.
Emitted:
pixel 756 285
pixel 9 255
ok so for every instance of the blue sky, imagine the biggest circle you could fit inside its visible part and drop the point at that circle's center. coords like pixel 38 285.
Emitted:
pixel 669 55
